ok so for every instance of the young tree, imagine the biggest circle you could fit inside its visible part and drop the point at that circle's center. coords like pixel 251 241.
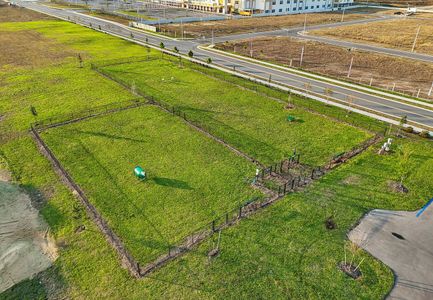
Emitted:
pixel 403 121
pixel 80 60
pixel 162 46
pixel 190 53
pixel 176 50
pixel 209 60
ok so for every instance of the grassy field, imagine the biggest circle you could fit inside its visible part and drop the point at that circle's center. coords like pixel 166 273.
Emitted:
pixel 398 33
pixel 384 69
pixel 252 123
pixel 243 25
pixel 191 179
pixel 282 252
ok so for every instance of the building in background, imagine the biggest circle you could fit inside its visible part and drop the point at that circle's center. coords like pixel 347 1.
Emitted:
pixel 250 7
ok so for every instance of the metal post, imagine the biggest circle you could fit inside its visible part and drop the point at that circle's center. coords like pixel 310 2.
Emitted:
pixel 305 23
pixel 431 90
pixel 350 67
pixel 240 211
pixel 416 37
pixel 312 174
pixel 285 188
pixel 393 87
pixel 302 56
pixel 227 218
pixel 213 226
pixel 293 184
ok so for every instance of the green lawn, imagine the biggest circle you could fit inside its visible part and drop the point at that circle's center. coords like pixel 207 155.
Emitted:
pixel 282 252
pixel 191 178
pixel 252 123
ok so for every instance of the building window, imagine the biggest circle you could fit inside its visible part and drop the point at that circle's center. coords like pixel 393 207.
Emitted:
pixel 274 2
pixel 267 11
pixel 300 8
pixel 288 1
pixel 280 10
pixel 281 1
pixel 273 10
pixel 312 7
pixel 318 6
pixel 294 8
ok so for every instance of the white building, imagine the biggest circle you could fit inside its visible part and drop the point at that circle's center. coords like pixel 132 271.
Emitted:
pixel 271 7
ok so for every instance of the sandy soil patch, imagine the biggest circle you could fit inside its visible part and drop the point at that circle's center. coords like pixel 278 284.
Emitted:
pixel 25 248
pixel 385 70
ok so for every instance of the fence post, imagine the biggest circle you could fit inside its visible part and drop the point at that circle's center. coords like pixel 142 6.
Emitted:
pixel 293 183
pixel 281 167
pixel 279 189
pixel 169 250
pixel 299 157
pixel 240 212
pixel 213 226
pixel 312 174
pixel 285 188
pixel 263 173
pixel 227 218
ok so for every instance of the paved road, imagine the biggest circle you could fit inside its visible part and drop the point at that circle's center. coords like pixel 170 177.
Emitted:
pixel 343 94
pixel 298 32
pixel 409 255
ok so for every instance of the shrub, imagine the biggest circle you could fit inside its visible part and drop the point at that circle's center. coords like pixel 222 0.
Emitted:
pixel 408 129
pixel 425 134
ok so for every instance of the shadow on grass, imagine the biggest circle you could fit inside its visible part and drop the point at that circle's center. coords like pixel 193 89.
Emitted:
pixel 174 183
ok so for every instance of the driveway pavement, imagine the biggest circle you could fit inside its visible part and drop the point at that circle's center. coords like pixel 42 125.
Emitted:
pixel 404 243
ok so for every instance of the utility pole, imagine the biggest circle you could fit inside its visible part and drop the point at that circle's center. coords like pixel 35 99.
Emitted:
pixel 251 48
pixel 431 90
pixel 302 56
pixel 342 16
pixel 350 67
pixel 213 39
pixel 416 37
pixel 305 23
pixel 181 29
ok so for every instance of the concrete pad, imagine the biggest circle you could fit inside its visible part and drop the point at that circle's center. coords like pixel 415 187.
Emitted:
pixel 404 243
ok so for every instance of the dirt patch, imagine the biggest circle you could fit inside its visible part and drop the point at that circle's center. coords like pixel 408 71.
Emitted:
pixel 25 246
pixel 19 14
pixel 30 49
pixel 227 27
pixel 398 33
pixel 350 269
pixel 351 180
pixel 397 187
pixel 378 69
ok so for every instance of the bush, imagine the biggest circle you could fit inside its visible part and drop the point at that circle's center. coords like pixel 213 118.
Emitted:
pixel 425 134
pixel 408 129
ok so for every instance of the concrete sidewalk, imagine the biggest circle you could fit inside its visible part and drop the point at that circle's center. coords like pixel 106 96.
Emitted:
pixel 404 243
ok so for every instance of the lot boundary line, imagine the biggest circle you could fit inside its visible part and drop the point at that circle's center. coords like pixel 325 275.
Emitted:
pixel 125 257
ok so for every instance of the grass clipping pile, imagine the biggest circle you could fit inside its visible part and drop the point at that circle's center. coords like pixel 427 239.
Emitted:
pixel 25 249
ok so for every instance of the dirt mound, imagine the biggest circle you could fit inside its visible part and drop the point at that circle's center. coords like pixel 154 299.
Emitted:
pixel 25 248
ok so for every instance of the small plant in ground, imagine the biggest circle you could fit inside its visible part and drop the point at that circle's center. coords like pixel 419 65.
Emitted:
pixel 161 45
pixel 33 111
pixel 209 60
pixel 176 50
pixel 190 53
pixel 80 60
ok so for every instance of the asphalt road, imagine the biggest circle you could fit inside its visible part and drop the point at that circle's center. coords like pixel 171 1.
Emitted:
pixel 343 94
